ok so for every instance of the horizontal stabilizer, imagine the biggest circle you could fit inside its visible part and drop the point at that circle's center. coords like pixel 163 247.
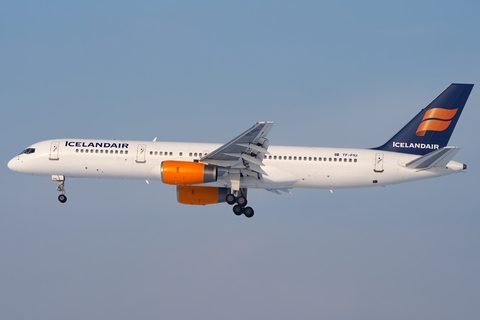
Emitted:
pixel 437 158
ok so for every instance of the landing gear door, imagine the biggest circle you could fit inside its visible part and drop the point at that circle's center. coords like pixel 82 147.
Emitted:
pixel 378 162
pixel 141 152
pixel 54 146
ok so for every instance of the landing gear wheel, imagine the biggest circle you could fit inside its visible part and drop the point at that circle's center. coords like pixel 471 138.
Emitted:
pixel 237 210
pixel 242 201
pixel 230 199
pixel 61 187
pixel 248 211
pixel 62 198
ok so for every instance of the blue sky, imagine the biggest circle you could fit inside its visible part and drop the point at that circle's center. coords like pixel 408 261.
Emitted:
pixel 328 73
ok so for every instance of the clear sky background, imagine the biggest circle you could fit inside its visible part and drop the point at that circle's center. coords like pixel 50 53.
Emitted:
pixel 329 73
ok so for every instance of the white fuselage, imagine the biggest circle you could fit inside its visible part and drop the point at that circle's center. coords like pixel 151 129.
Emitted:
pixel 285 167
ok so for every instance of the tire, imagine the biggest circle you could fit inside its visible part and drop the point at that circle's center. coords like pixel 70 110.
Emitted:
pixel 230 199
pixel 242 201
pixel 62 198
pixel 237 210
pixel 248 211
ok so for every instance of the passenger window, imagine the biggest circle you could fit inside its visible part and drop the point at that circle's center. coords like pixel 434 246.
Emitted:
pixel 121 151
pixel 151 152
pixel 76 150
pixel 289 157
pixel 180 154
pixel 350 160
pixel 329 159
pixel 274 157
pixel 126 151
pixel 116 151
pixel 354 160
pixel 345 160
pixel 86 150
pixel 81 150
pixel 334 159
pixel 101 151
pixel 295 158
pixel 339 159
pixel 96 150
pixel 171 153
pixel 309 158
pixel 111 151
pixel 156 153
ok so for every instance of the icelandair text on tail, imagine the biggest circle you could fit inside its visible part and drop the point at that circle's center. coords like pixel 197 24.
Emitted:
pixel 415 145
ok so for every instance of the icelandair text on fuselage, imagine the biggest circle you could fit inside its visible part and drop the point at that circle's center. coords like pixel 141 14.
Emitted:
pixel 82 144
pixel 415 145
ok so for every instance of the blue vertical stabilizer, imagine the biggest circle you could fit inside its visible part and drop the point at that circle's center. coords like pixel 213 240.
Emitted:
pixel 431 129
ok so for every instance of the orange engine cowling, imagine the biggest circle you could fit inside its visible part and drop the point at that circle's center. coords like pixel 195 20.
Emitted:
pixel 186 173
pixel 201 195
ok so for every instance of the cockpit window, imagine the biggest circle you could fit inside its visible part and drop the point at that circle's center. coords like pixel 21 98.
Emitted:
pixel 28 151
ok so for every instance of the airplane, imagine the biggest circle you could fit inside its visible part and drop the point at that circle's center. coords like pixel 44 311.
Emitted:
pixel 207 173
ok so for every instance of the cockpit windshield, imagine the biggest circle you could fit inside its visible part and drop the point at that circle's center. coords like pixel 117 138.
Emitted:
pixel 28 151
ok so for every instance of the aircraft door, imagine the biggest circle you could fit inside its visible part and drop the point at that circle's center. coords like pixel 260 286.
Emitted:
pixel 54 147
pixel 141 152
pixel 378 162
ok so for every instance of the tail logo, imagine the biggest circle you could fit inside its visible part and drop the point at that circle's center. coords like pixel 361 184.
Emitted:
pixel 435 119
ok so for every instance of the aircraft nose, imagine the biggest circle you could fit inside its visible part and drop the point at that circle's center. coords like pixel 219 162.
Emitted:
pixel 12 164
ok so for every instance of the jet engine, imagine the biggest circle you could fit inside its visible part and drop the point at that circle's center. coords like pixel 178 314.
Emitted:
pixel 187 173
pixel 201 195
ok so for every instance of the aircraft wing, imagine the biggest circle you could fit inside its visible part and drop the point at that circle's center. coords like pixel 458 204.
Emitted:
pixel 245 152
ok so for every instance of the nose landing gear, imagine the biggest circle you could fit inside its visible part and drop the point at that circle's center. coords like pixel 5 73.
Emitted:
pixel 61 187
pixel 62 198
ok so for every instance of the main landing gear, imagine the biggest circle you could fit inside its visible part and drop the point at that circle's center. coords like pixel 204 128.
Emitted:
pixel 239 203
pixel 61 187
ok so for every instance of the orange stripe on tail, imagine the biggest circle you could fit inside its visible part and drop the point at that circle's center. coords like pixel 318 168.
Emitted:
pixel 439 113
pixel 431 125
